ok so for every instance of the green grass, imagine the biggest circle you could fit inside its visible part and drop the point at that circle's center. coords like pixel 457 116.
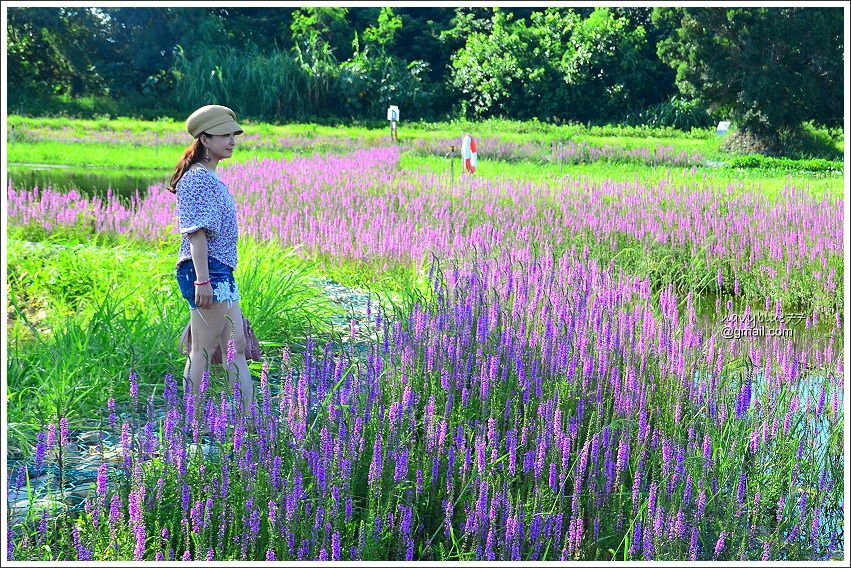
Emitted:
pixel 398 286
pixel 509 128
pixel 707 147
pixel 147 158
pixel 517 129
pixel 82 127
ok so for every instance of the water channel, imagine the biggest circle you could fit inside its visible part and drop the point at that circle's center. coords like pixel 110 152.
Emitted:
pixel 90 181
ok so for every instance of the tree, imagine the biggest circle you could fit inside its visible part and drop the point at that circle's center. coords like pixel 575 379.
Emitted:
pixel 586 64
pixel 317 34
pixel 557 64
pixel 56 50
pixel 374 77
pixel 383 33
pixel 768 69
pixel 143 43
pixel 604 66
pixel 420 37
pixel 268 29
pixel 324 31
pixel 654 83
pixel 488 70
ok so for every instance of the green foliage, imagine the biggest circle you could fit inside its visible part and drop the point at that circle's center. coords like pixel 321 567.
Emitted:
pixel 801 143
pixel 320 29
pixel 278 298
pixel 83 315
pixel 488 71
pixel 298 86
pixel 253 84
pixel 558 65
pixel 589 65
pixel 56 50
pixel 677 113
pixel 785 164
pixel 44 104
pixel 768 69
pixel 383 33
pixel 374 79
pixel 603 65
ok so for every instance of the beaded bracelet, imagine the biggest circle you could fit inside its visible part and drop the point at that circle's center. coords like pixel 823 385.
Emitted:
pixel 203 283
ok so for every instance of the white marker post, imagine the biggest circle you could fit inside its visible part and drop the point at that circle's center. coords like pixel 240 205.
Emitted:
pixel 393 117
pixel 468 154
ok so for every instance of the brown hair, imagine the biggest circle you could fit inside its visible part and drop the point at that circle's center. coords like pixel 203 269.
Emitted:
pixel 193 154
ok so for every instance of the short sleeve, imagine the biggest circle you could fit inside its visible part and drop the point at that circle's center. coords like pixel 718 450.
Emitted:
pixel 197 204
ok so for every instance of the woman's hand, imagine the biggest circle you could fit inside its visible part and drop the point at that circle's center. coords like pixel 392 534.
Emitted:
pixel 204 295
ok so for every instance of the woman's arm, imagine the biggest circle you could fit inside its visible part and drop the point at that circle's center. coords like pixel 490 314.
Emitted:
pixel 199 251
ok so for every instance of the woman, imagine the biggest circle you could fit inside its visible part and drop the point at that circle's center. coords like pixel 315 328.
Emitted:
pixel 207 256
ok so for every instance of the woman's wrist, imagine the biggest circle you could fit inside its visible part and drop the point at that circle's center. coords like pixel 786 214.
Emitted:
pixel 203 282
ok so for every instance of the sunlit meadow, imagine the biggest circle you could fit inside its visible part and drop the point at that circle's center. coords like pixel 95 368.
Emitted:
pixel 567 388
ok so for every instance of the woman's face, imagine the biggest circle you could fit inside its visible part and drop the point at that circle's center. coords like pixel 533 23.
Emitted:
pixel 219 146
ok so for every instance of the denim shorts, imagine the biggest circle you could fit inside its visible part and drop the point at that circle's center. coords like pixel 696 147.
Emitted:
pixel 221 275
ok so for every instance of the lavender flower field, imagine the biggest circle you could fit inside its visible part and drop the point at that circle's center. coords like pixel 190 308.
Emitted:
pixel 578 381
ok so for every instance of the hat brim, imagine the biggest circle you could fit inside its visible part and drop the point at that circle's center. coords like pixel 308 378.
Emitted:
pixel 229 127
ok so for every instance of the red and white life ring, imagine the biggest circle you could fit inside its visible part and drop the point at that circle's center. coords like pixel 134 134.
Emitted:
pixel 468 154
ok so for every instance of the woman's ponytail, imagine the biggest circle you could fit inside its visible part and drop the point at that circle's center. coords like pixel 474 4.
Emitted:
pixel 194 153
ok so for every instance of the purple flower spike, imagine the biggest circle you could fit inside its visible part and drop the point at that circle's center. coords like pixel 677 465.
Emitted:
pixel 40 450
pixel 113 419
pixel 102 479
pixel 231 354
pixel 134 386
pixel 63 431
pixel 719 545
pixel 83 553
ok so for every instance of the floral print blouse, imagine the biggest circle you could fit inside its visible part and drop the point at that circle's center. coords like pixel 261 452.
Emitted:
pixel 204 202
